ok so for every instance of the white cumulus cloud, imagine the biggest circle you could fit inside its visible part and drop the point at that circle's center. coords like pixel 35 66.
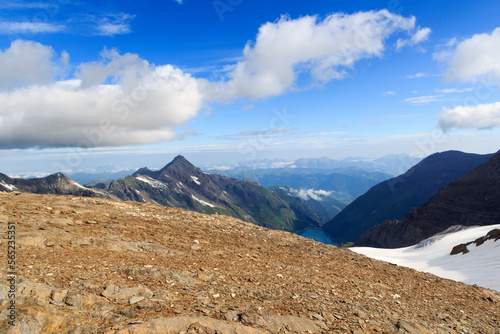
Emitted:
pixel 420 36
pixel 306 194
pixel 321 50
pixel 25 63
pixel 483 116
pixel 120 100
pixel 475 57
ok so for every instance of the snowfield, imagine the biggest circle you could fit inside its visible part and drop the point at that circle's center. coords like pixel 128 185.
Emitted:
pixel 480 266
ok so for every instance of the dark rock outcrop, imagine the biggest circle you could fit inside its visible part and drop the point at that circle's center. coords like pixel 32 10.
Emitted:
pixel 462 248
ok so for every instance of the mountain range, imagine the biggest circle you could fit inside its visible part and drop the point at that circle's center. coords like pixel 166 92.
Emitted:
pixel 392 199
pixel 392 164
pixel 344 185
pixel 472 200
pixel 180 184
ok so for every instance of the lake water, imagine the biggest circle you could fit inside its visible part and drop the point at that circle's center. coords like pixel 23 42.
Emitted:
pixel 318 235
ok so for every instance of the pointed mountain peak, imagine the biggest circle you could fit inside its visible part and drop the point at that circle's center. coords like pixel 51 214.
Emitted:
pixel 57 176
pixel 179 162
pixel 143 171
pixel 180 159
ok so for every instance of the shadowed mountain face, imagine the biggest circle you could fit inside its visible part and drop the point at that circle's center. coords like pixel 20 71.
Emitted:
pixel 393 198
pixel 182 185
pixel 474 199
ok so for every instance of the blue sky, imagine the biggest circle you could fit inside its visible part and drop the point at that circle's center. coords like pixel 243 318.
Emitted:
pixel 128 83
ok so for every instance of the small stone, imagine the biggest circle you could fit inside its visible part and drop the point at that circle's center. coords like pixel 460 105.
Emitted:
pixel 74 299
pixel 136 299
pixel 279 276
pixel 55 302
pixel 58 296
pixel 110 290
pixel 91 222
pixel 216 295
pixel 196 242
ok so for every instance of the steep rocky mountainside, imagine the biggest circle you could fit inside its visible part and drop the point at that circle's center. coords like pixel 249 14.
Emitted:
pixel 474 199
pixel 392 199
pixel 182 185
pixel 90 265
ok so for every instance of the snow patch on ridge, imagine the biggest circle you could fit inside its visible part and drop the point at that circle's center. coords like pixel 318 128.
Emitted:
pixel 479 266
pixel 196 180
pixel 154 183
pixel 8 186
pixel 201 201
pixel 79 185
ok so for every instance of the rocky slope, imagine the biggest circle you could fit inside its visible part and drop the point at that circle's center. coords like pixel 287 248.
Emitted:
pixel 89 265
pixel 474 199
pixel 392 199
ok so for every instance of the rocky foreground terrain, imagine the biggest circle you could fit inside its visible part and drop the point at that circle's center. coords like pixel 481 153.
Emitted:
pixel 87 265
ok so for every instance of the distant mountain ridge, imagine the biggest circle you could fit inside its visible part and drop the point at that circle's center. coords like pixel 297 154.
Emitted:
pixel 344 185
pixel 180 184
pixel 392 199
pixel 473 199
pixel 393 164
pixel 57 184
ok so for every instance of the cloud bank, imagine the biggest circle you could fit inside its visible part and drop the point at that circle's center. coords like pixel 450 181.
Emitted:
pixel 124 100
pixel 119 100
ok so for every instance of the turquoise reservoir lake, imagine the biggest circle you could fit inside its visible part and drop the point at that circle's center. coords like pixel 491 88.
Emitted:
pixel 318 235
